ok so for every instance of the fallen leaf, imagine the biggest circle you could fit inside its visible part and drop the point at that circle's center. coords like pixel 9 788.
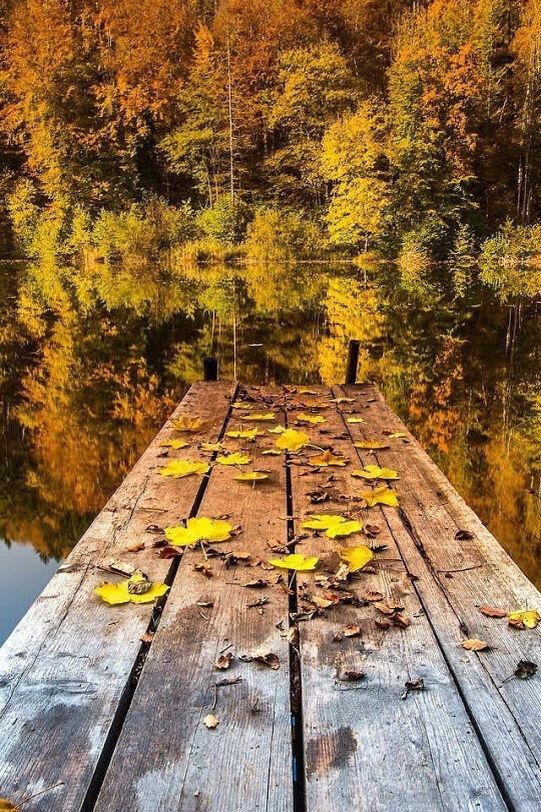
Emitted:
pixel 260 417
pixel 413 685
pixel 371 596
pixel 271 452
pixel 356 557
pixel 333 526
pixel 233 459
pixel 380 496
pixel 198 529
pixel 268 658
pixel 524 618
pixel 292 440
pixel 277 430
pixel 397 435
pixel 473 644
pixel 251 476
pixel 296 561
pixel 313 419
pixel 355 420
pixel 147 638
pixel 352 676
pixel 181 468
pixel 211 446
pixel 223 662
pixel 246 434
pixel 525 669
pixel 260 583
pixel 326 459
pixel 8 806
pixel 375 472
pixel 176 444
pixel 492 611
pixel 187 423
pixel 342 400
pixel 136 547
pixel 136 589
pixel 464 535
pixel 238 404
pixel 211 721
pixel 372 445
pixel 382 623
pixel 352 630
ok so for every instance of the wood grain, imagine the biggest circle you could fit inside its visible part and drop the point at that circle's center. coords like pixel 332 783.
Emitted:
pixel 245 763
pixel 365 747
pixel 455 579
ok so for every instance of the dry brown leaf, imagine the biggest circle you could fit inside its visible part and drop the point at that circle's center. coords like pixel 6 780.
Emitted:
pixel 211 721
pixel 223 662
pixel 474 644
pixel 492 611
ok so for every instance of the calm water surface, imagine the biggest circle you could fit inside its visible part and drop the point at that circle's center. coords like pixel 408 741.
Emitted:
pixel 89 369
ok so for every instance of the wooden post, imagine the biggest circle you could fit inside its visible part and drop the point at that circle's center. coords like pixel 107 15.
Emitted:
pixel 353 362
pixel 210 369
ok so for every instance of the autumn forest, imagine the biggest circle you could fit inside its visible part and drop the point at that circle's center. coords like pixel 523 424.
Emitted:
pixel 273 127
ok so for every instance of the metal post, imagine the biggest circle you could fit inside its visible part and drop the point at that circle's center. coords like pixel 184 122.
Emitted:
pixel 210 369
pixel 353 362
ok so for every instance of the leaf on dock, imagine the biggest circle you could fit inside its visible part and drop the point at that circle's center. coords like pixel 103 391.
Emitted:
pixel 181 468
pixel 198 529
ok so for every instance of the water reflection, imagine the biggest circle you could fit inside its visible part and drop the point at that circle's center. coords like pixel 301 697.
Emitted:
pixel 84 386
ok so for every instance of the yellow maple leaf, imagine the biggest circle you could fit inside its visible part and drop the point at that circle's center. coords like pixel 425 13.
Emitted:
pixel 251 476
pixel 373 445
pixel 344 529
pixel 176 444
pixel 296 561
pixel 260 417
pixel 322 521
pixel 131 590
pixel 233 459
pixel 356 557
pixel 187 422
pixel 326 459
pixel 211 446
pixel 355 420
pixel 375 472
pixel 292 440
pixel 332 525
pixel 397 435
pixel 246 434
pixel 198 529
pixel 380 496
pixel 277 430
pixel 238 404
pixel 529 618
pixel 314 419
pixel 180 468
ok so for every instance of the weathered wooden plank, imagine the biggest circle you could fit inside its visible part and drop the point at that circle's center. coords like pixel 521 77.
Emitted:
pixel 65 669
pixel 165 757
pixel 455 578
pixel 365 747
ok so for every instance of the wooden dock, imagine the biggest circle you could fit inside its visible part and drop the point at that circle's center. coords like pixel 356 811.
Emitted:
pixel 344 690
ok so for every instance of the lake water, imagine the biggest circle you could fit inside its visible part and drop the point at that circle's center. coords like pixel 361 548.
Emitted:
pixel 85 386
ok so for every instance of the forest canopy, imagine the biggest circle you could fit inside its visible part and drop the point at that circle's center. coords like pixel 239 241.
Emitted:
pixel 276 128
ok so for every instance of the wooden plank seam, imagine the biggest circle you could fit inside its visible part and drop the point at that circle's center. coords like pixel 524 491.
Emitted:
pixel 131 685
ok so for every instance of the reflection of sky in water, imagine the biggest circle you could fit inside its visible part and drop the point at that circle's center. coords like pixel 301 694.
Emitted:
pixel 22 573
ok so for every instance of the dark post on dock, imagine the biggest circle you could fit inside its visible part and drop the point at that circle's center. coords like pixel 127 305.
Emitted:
pixel 352 362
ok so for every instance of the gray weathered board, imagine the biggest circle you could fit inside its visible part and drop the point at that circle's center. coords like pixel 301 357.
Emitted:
pixel 94 718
